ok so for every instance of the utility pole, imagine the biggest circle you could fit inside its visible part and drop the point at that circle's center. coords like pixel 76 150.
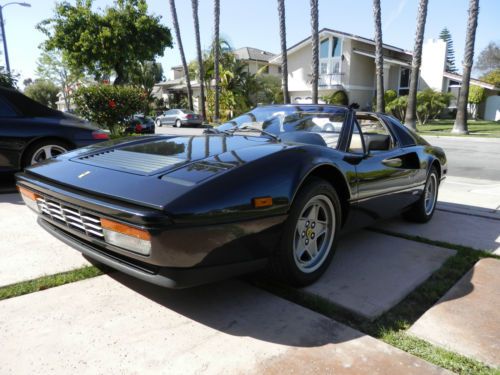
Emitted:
pixel 4 39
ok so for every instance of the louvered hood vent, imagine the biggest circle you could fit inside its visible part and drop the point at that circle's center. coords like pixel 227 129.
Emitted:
pixel 131 161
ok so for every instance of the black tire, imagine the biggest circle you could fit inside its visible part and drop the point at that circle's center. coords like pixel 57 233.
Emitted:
pixel 283 262
pixel 420 212
pixel 178 123
pixel 35 148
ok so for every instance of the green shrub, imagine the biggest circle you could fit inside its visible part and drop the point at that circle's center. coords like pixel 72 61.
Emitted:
pixel 430 103
pixel 109 106
pixel 390 95
pixel 44 92
pixel 338 98
pixel 397 107
pixel 476 96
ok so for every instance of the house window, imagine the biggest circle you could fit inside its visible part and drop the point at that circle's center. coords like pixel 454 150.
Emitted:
pixel 323 48
pixel 337 47
pixel 404 81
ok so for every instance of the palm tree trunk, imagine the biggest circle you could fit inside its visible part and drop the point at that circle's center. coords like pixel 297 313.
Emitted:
pixel 460 126
pixel 284 57
pixel 194 4
pixel 315 52
pixel 379 58
pixel 216 57
pixel 181 50
pixel 411 108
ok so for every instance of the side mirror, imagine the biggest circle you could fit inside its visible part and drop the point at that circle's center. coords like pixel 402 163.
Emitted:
pixel 377 142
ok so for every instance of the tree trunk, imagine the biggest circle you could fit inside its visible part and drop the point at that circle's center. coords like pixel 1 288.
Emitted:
pixel 216 58
pixel 460 126
pixel 194 4
pixel 411 108
pixel 379 58
pixel 315 52
pixel 284 57
pixel 181 51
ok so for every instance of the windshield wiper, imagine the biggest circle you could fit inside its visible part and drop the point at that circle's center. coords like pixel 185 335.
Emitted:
pixel 254 128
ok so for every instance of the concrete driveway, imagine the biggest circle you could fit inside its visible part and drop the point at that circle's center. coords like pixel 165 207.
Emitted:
pixel 115 324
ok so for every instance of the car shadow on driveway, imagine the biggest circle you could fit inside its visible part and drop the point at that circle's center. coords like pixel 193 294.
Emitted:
pixel 236 308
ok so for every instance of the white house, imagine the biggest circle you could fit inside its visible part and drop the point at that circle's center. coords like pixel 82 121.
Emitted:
pixel 347 62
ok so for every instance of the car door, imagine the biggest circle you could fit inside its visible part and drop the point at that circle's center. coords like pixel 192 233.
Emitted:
pixel 384 172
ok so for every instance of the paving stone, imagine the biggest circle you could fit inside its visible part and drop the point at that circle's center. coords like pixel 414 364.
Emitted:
pixel 372 272
pixel 28 251
pixel 118 325
pixel 456 228
pixel 467 319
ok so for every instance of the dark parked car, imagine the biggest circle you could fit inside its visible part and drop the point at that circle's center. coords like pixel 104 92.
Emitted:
pixel 178 118
pixel 140 124
pixel 31 132
pixel 274 187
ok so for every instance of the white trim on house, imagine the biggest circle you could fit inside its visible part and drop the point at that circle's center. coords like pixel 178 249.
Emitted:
pixel 475 82
pixel 389 60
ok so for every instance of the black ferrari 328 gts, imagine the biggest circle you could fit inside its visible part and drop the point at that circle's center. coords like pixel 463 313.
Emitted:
pixel 271 188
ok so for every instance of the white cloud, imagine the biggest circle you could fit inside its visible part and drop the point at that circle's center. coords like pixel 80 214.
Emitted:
pixel 394 15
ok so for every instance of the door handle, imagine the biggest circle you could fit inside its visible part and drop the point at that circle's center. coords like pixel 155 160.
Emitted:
pixel 393 162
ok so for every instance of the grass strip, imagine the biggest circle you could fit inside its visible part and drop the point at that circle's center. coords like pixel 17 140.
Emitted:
pixel 50 281
pixel 391 327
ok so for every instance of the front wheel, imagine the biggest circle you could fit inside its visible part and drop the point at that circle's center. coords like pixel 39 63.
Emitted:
pixel 423 210
pixel 310 235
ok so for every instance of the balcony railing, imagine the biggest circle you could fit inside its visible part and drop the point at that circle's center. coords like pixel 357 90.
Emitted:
pixel 327 80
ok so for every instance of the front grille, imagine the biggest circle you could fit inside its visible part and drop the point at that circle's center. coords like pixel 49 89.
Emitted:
pixel 72 217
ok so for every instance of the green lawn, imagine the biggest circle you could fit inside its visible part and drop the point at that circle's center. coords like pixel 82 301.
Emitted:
pixel 479 128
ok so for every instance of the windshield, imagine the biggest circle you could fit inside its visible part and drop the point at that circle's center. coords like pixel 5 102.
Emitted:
pixel 290 118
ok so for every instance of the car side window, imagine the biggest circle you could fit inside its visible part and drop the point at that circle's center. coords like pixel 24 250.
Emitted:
pixel 6 109
pixel 356 144
pixel 375 133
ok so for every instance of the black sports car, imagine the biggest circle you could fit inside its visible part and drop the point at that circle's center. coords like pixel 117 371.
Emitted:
pixel 31 132
pixel 274 187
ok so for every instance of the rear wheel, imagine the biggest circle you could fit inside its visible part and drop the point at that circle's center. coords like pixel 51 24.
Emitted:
pixel 158 122
pixel 44 150
pixel 423 210
pixel 177 123
pixel 310 234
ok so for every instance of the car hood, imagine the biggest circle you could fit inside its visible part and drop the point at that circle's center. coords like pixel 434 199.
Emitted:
pixel 152 171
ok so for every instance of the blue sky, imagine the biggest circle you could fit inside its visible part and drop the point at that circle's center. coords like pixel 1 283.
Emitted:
pixel 254 23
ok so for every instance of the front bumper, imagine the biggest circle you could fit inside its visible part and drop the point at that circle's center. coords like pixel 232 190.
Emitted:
pixel 168 277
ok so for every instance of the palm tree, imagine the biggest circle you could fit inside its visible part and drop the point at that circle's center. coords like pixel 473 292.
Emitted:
pixel 315 46
pixel 460 126
pixel 194 4
pixel 216 57
pixel 411 108
pixel 379 58
pixel 284 58
pixel 181 50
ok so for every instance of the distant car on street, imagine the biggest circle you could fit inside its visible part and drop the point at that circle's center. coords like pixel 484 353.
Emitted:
pixel 178 118
pixel 140 124
pixel 31 132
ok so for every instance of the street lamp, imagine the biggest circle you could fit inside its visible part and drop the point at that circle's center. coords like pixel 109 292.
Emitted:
pixel 3 31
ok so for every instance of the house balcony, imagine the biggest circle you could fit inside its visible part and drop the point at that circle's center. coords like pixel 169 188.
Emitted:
pixel 330 80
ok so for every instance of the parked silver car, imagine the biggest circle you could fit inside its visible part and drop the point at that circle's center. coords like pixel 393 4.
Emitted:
pixel 178 117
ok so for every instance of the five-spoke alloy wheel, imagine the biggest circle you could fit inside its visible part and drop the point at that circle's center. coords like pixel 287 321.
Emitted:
pixel 423 210
pixel 310 233
pixel 44 150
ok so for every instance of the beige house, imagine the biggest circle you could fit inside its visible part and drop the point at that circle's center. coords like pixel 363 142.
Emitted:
pixel 256 60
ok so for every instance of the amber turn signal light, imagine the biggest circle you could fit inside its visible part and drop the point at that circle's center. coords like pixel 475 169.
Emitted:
pixel 125 229
pixel 262 202
pixel 28 193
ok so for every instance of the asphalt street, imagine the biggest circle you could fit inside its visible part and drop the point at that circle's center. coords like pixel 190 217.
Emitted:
pixel 471 157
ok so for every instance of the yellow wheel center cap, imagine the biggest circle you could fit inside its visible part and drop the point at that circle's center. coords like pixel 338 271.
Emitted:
pixel 309 232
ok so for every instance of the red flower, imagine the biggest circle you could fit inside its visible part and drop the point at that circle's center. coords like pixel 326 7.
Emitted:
pixel 112 104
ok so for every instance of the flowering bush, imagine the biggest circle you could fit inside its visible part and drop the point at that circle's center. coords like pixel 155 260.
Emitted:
pixel 109 106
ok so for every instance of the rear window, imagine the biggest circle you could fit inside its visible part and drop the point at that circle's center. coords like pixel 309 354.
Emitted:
pixel 187 111
pixel 407 139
